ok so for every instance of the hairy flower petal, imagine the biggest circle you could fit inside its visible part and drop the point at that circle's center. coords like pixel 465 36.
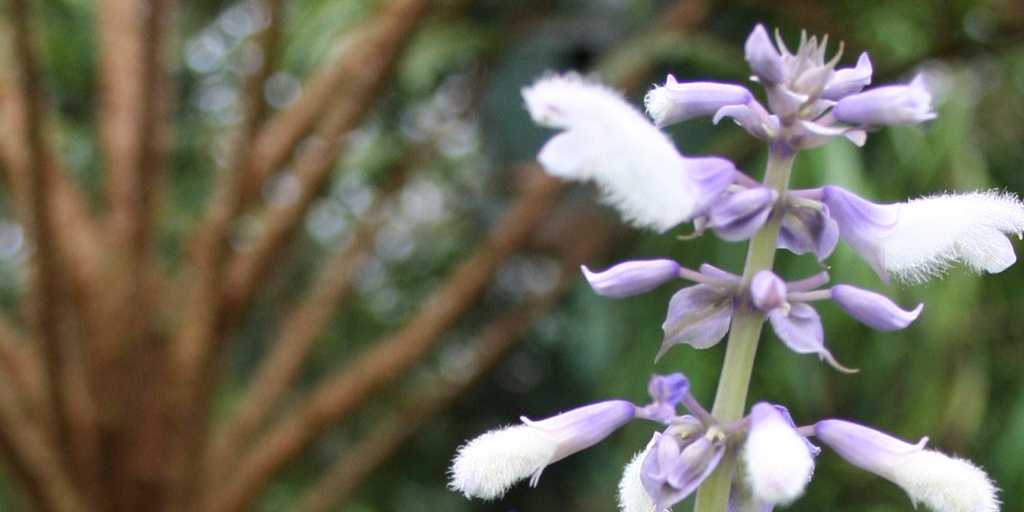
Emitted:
pixel 943 483
pixel 610 142
pixel 971 228
pixel 489 465
pixel 777 461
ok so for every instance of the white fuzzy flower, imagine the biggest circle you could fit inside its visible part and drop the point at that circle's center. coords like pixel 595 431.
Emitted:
pixel 945 484
pixel 489 465
pixel 607 140
pixel 778 461
pixel 934 232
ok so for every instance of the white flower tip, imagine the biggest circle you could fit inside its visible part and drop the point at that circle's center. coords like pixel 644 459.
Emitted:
pixel 491 464
pixel 946 484
pixel 972 228
pixel 778 462
pixel 657 104
pixel 632 495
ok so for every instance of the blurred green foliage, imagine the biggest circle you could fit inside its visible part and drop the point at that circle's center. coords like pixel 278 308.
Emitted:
pixel 452 119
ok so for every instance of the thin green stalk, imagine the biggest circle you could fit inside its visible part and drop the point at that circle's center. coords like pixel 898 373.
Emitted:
pixel 731 397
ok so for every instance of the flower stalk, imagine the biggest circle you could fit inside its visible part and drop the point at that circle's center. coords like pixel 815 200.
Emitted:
pixel 747 322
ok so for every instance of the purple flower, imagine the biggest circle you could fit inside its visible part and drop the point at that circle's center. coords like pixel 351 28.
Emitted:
pixel 698 316
pixel 676 101
pixel 806 229
pixel 943 483
pixel 666 391
pixel 890 105
pixel 874 310
pixel 631 277
pixel 739 215
pixel 489 465
pixel 672 469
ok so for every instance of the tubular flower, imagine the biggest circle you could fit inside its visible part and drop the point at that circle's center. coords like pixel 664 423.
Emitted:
pixel 632 277
pixel 943 483
pixel 608 141
pixel 489 465
pixel 674 101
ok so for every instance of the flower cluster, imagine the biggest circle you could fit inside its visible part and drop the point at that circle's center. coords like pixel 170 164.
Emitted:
pixel 778 459
pixel 605 140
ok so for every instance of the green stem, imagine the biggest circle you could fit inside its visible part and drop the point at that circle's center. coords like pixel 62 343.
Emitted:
pixel 731 398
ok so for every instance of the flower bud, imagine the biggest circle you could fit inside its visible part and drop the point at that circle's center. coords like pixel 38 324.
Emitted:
pixel 889 105
pixel 489 465
pixel 631 277
pixel 764 58
pixel 849 80
pixel 872 309
pixel 778 461
pixel 767 290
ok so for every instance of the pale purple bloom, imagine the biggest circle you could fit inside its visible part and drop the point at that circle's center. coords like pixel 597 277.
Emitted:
pixel 862 224
pixel 672 469
pixel 943 483
pixel 698 316
pixel 489 465
pixel 608 141
pixel 889 105
pixel 808 230
pixel 632 277
pixel 849 81
pixel 739 215
pixel 872 309
pixel 778 461
pixel 674 101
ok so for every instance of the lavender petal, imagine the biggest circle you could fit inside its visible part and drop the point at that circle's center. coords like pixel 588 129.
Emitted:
pixel 873 309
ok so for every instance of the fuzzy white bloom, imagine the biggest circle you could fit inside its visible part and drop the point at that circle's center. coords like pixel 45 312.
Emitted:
pixel 608 141
pixel 632 495
pixel 945 484
pixel 489 465
pixel 778 462
pixel 933 232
